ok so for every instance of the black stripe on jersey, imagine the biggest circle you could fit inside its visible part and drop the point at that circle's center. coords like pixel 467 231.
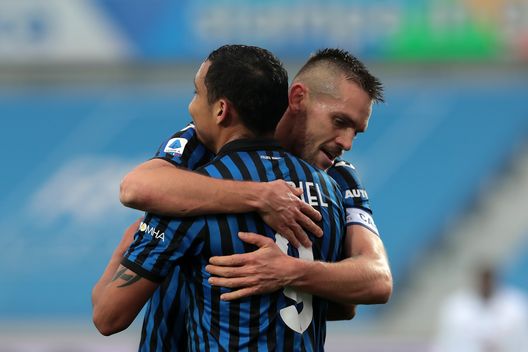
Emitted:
pixel 144 326
pixel 276 166
pixel 227 249
pixel 241 166
pixel 190 147
pixel 324 193
pixel 291 169
pixel 158 317
pixel 170 319
pixel 332 222
pixel 194 340
pixel 271 335
pixel 198 302
pixel 255 300
pixel 289 336
pixel 261 170
pixel 179 234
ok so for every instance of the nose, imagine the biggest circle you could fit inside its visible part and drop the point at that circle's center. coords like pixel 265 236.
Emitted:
pixel 345 139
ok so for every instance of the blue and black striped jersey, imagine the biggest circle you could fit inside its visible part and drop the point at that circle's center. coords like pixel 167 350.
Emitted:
pixel 355 197
pixel 284 321
pixel 164 322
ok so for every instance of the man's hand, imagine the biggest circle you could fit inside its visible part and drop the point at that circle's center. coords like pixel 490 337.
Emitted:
pixel 281 208
pixel 262 271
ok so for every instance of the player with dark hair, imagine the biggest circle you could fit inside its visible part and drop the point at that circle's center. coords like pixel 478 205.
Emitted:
pixel 265 322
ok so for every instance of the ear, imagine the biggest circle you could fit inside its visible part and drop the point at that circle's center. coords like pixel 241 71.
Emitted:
pixel 222 108
pixel 298 92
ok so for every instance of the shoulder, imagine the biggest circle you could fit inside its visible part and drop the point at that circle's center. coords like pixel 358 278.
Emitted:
pixel 347 177
pixel 177 143
pixel 343 169
pixel 184 149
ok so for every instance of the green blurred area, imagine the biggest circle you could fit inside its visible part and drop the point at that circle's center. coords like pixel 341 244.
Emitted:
pixel 419 38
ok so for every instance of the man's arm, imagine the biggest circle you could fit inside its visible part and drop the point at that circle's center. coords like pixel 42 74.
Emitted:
pixel 119 295
pixel 159 187
pixel 362 278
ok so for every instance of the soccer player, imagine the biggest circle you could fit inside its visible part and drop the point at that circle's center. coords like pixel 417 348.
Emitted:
pixel 225 115
pixel 331 94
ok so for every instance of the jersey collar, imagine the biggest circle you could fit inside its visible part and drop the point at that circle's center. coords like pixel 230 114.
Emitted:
pixel 250 145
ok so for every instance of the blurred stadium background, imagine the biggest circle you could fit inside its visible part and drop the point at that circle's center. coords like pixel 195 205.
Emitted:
pixel 89 88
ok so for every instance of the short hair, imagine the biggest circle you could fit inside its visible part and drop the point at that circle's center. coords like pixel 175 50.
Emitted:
pixel 350 66
pixel 253 80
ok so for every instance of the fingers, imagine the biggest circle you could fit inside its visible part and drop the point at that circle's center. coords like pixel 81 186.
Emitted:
pixel 296 191
pixel 309 225
pixel 224 271
pixel 310 212
pixel 237 282
pixel 254 238
pixel 242 259
pixel 291 237
pixel 229 260
pixel 242 293
pixel 300 236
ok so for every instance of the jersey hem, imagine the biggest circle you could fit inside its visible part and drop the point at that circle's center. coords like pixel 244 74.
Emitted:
pixel 138 269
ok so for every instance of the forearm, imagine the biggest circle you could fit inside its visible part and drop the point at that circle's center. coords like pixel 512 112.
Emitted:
pixel 105 317
pixel 355 280
pixel 168 190
pixel 114 309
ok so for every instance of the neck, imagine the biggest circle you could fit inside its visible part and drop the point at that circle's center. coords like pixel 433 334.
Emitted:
pixel 230 134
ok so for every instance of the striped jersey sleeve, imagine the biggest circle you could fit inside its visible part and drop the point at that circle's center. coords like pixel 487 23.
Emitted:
pixel 184 149
pixel 160 243
pixel 355 197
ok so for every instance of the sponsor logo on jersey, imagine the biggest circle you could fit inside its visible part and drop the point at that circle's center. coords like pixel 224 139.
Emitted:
pixel 266 157
pixel 175 146
pixel 356 193
pixel 151 231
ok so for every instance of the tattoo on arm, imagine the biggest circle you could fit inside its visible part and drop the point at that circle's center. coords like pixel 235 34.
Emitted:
pixel 129 279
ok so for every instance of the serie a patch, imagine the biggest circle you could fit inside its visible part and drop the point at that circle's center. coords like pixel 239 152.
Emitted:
pixel 175 146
